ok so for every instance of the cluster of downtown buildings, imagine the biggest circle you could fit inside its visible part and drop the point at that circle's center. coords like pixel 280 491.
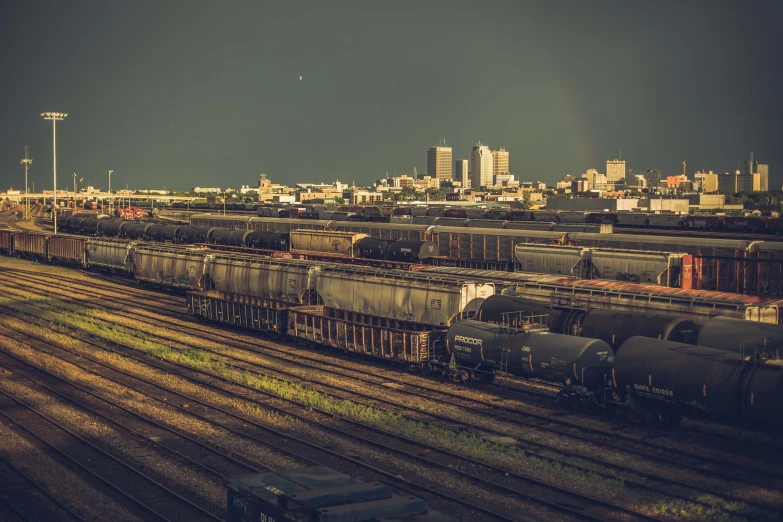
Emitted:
pixel 753 177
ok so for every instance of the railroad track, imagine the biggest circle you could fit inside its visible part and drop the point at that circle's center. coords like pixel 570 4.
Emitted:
pixel 452 420
pixel 284 352
pixel 249 426
pixel 26 499
pixel 153 499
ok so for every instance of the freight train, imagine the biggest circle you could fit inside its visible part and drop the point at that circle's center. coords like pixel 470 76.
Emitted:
pixel 639 364
pixel 420 214
pixel 337 243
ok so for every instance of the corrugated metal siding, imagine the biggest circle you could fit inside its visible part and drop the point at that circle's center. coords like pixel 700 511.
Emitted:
pixel 30 244
pixel 109 254
pixel 68 249
pixel 5 241
pixel 327 242
pixel 289 281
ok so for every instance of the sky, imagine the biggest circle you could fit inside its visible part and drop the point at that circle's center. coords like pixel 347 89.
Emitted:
pixel 203 93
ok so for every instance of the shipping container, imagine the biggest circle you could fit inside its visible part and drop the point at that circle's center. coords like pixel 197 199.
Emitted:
pixel 326 242
pixel 366 334
pixel 114 254
pixel 172 266
pixel 68 250
pixel 30 245
pixel 409 296
pixel 288 281
pixel 255 313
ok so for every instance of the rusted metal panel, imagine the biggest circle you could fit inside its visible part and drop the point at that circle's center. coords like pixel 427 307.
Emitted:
pixel 69 250
pixel 6 241
pixel 363 333
pixel 28 244
pixel 239 310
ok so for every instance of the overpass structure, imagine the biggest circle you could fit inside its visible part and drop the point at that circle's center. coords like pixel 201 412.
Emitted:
pixel 83 196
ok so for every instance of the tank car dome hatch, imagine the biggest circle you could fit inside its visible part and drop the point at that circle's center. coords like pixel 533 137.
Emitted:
pixel 496 307
pixel 735 335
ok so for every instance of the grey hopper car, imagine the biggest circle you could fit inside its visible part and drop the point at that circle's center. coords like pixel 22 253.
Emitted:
pixel 173 266
pixel 739 335
pixel 615 327
pixel 554 357
pixel 112 254
pixel 678 380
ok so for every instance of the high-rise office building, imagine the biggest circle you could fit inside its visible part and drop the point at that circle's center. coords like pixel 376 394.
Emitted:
pixel 461 172
pixel 708 180
pixel 439 162
pixel 481 167
pixel 653 178
pixel 500 162
pixel 761 178
pixel 615 171
pixel 755 176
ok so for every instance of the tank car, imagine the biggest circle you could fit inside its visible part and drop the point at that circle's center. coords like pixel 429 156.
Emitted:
pixel 670 380
pixel 411 250
pixel 136 230
pixel 267 240
pixel 537 353
pixel 112 227
pixel 741 336
pixel 163 232
pixel 615 327
pixel 222 236
pixel 193 234
pixel 89 226
pixel 372 248
pixel 511 310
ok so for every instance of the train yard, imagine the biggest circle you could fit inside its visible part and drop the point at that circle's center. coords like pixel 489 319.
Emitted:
pixel 146 404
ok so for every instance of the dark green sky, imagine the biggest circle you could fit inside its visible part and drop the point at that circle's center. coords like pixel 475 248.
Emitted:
pixel 207 93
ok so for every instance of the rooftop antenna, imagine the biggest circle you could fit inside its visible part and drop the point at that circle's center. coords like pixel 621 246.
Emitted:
pixel 443 140
pixel 621 154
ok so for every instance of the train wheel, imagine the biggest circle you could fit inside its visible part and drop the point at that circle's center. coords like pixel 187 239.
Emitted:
pixel 466 376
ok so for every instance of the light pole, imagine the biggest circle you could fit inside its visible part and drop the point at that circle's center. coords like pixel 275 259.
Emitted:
pixel 110 192
pixel 26 162
pixel 74 191
pixel 54 116
pixel 224 202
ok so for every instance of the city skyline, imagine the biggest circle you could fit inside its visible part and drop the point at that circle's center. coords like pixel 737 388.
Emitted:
pixel 206 94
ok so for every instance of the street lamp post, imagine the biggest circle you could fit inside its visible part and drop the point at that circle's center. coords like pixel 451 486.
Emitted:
pixel 74 191
pixel 110 192
pixel 54 116
pixel 26 162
